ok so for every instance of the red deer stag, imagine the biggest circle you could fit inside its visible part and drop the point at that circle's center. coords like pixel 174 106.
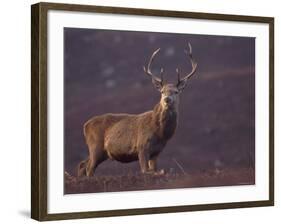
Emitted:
pixel 129 137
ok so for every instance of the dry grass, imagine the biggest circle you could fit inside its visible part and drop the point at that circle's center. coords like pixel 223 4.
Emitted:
pixel 170 180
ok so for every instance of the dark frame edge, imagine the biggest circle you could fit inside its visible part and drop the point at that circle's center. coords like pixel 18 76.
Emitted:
pixel 35 191
pixel 154 12
pixel 38 112
pixel 271 111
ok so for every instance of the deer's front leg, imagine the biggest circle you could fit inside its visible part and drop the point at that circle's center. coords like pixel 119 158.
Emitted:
pixel 143 160
pixel 152 166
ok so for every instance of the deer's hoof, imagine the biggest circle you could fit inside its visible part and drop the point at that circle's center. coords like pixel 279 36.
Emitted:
pixel 160 172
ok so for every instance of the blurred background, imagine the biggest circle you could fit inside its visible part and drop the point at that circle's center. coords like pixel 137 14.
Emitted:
pixel 103 74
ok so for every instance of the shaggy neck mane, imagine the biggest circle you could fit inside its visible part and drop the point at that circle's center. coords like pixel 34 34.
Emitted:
pixel 165 121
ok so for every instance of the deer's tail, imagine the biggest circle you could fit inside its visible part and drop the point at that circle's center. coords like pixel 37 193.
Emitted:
pixel 81 168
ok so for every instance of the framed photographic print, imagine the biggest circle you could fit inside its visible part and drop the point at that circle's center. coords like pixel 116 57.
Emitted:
pixel 138 111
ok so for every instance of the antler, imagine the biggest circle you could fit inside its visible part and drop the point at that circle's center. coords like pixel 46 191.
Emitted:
pixel 148 70
pixel 193 64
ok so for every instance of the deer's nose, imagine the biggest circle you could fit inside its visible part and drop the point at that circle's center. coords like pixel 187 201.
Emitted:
pixel 168 99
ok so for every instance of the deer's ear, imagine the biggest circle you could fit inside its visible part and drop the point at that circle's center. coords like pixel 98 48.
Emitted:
pixel 181 85
pixel 158 85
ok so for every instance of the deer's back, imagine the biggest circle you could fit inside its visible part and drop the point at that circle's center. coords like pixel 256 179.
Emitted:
pixel 95 128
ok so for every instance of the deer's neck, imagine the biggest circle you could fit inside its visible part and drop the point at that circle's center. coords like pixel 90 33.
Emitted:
pixel 165 121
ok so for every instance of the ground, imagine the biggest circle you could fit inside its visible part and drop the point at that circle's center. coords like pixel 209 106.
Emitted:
pixel 170 180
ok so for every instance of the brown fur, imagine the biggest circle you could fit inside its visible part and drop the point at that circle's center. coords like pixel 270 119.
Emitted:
pixel 127 137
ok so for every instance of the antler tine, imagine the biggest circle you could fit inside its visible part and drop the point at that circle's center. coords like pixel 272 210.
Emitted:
pixel 148 70
pixel 193 64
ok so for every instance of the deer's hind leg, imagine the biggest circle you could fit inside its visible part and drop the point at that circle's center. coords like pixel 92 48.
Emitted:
pixel 81 168
pixel 96 156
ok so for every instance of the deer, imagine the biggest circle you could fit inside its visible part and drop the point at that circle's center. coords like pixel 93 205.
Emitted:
pixel 136 137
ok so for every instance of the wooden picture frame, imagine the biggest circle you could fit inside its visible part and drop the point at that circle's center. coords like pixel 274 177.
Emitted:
pixel 39 109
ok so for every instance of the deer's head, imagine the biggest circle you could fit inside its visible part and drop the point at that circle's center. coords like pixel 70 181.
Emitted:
pixel 169 91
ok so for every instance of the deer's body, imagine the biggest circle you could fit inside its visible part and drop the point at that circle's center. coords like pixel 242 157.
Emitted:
pixel 128 137
pixel 124 137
